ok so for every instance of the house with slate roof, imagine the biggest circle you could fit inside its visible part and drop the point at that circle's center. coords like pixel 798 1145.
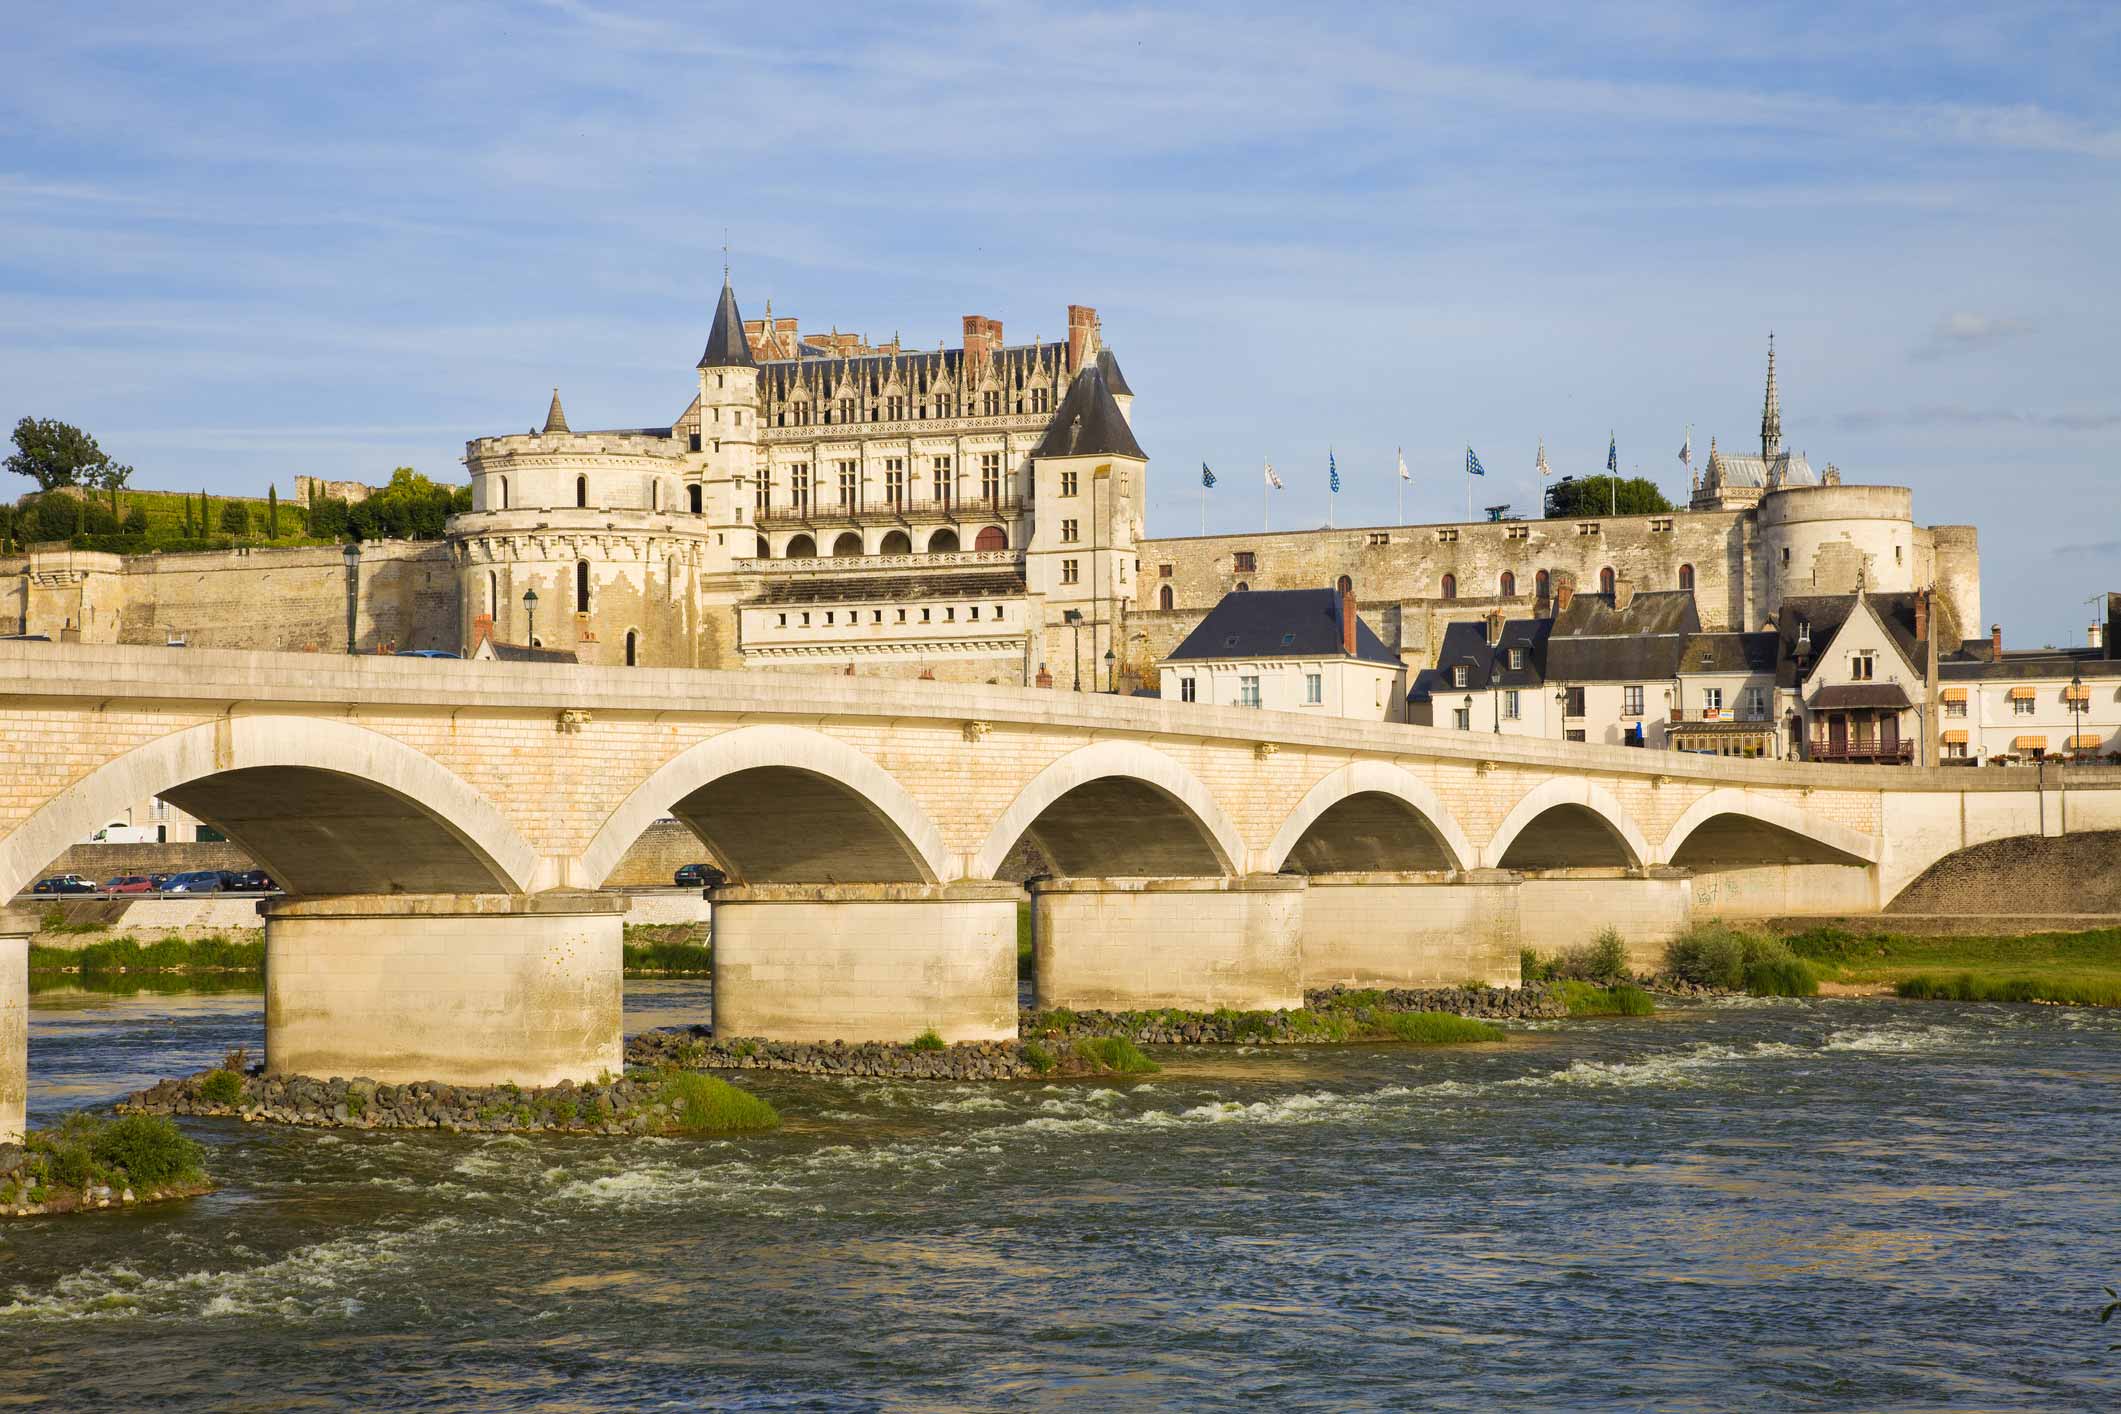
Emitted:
pixel 1288 650
pixel 2008 707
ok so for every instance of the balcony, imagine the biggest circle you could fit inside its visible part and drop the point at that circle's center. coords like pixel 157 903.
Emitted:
pixel 906 510
pixel 1862 753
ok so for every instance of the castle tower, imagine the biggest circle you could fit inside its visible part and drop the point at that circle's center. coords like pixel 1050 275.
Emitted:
pixel 1771 411
pixel 728 433
pixel 1090 478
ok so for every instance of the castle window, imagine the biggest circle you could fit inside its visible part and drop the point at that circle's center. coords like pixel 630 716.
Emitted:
pixel 992 403
pixel 902 616
pixel 1447 537
pixel 1163 597
pixel 925 615
pixel 798 488
pixel 1163 571
pixel 632 649
pixel 1243 588
pixel 1068 571
pixel 581 586
pixel 895 482
pixel 950 614
pixel 1068 483
pixel 1686 577
pixel 581 491
pixel 944 479
pixel 1785 557
pixel 1509 584
pixel 1038 399
pixel 783 621
pixel 1605 580
pixel 850 485
pixel 493 593
pixel 1450 586
pixel 1541 582
pixel 975 613
pixel 1379 537
pixel 504 496
pixel 762 497
pixel 737 416
pixel 895 408
pixel 990 475
pixel 1344 585
pixel 1068 532
pixel 1243 562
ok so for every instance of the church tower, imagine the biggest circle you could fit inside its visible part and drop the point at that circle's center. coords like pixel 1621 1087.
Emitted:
pixel 728 434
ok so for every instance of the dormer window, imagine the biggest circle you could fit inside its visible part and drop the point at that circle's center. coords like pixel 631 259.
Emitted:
pixel 1516 660
pixel 1461 675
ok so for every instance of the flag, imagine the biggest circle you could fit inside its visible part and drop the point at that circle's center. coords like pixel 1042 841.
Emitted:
pixel 1612 454
pixel 1686 449
pixel 1403 465
pixel 1207 477
pixel 1332 473
pixel 1541 465
pixel 1273 480
pixel 1473 466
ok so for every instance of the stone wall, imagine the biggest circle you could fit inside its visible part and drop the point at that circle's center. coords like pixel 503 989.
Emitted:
pixel 108 861
pixel 291 599
pixel 657 855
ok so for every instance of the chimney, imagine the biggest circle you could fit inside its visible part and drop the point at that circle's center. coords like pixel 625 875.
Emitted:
pixel 1347 622
pixel 1922 616
pixel 2094 636
pixel 982 336
pixel 1494 627
pixel 1623 592
pixel 481 630
pixel 1995 643
pixel 1044 678
pixel 1081 320
pixel 1563 593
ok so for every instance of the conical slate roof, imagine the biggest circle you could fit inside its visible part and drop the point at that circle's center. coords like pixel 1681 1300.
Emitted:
pixel 1089 423
pixel 726 345
pixel 1115 381
pixel 555 416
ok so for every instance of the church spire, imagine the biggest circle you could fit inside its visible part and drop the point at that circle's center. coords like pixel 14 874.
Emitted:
pixel 1771 411
pixel 555 416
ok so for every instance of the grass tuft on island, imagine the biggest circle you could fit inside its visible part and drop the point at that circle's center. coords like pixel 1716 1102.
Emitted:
pixel 90 1161
pixel 1621 999
pixel 706 1104
pixel 2061 989
pixel 1115 1055
pixel 2066 969
pixel 1367 1015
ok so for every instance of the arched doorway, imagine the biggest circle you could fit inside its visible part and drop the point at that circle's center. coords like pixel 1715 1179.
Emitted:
pixel 943 542
pixel 1686 577
pixel 992 537
pixel 801 547
pixel 1163 598
pixel 1605 580
pixel 1542 584
pixel 896 543
pixel 1450 586
pixel 849 544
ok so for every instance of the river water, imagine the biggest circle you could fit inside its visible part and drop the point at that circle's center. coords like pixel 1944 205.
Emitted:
pixel 1756 1205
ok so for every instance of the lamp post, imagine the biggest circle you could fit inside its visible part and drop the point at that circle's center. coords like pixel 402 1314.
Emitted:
pixel 2076 710
pixel 1111 672
pixel 1073 618
pixel 1469 711
pixel 530 613
pixel 352 551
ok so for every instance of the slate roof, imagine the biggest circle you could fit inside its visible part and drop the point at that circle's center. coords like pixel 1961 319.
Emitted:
pixel 889 588
pixel 1652 611
pixel 1826 613
pixel 1465 644
pixel 1090 424
pixel 1592 641
pixel 1730 653
pixel 726 345
pixel 1751 469
pixel 1115 380
pixel 1278 623
pixel 1889 696
pixel 524 653
pixel 2035 664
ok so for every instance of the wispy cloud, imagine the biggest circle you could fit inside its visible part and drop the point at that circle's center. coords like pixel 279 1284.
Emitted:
pixel 1971 333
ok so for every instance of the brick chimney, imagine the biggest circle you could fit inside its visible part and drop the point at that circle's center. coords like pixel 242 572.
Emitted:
pixel 982 336
pixel 1081 320
pixel 481 630
pixel 1347 622
pixel 1044 678
pixel 1623 592
pixel 1995 643
pixel 1922 616
pixel 1494 627
pixel 1563 593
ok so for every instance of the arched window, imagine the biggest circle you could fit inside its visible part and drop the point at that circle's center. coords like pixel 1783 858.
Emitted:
pixel 1163 597
pixel 581 491
pixel 1686 577
pixel 991 537
pixel 1345 586
pixel 847 545
pixel 655 495
pixel 1450 586
pixel 493 593
pixel 581 586
pixel 801 547
pixel 943 542
pixel 1242 586
pixel 504 493
pixel 1605 580
pixel 1509 585
pixel 633 641
pixel 897 542
pixel 1542 584
pixel 692 494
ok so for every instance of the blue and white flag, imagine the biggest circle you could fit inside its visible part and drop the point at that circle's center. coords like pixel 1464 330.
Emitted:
pixel 1473 466
pixel 1273 480
pixel 1612 453
pixel 1332 473
pixel 1207 477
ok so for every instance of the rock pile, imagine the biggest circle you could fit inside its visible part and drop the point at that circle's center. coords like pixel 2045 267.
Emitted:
pixel 695 1048
pixel 1538 1001
pixel 626 1106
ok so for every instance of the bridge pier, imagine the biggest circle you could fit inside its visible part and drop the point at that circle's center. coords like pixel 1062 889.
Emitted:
pixel 1561 908
pixel 16 926
pixel 1429 928
pixel 866 962
pixel 1194 942
pixel 468 989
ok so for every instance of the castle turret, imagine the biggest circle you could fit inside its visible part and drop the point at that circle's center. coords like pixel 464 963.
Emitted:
pixel 728 432
pixel 1091 482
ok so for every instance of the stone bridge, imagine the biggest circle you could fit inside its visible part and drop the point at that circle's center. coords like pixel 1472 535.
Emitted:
pixel 443 828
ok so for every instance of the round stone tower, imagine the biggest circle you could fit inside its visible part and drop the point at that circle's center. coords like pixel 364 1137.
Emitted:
pixel 1824 539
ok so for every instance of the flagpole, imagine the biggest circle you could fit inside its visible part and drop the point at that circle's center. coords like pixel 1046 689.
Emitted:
pixel 1266 504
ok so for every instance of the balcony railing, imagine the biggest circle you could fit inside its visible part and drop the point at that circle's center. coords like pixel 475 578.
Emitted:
pixel 1718 714
pixel 1866 753
pixel 829 511
pixel 855 564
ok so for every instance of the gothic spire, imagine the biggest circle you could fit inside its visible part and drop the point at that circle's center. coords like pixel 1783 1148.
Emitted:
pixel 726 345
pixel 1771 411
pixel 555 416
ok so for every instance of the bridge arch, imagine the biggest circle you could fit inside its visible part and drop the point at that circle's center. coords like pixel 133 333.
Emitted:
pixel 327 807
pixel 1729 826
pixel 808 808
pixel 1114 801
pixel 1564 822
pixel 1371 815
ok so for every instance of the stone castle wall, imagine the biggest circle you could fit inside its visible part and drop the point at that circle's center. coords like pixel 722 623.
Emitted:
pixel 290 600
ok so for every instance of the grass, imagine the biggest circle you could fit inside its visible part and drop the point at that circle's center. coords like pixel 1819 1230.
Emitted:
pixel 1039 1058
pixel 1713 953
pixel 169 954
pixel 85 1150
pixel 54 921
pixel 1436 1028
pixel 2082 969
pixel 706 1104
pixel 1590 999
pixel 1354 1016
pixel 928 1041
pixel 2065 988
pixel 670 959
pixel 1116 1055
pixel 221 1087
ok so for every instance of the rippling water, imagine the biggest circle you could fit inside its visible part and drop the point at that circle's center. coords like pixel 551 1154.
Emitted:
pixel 1789 1205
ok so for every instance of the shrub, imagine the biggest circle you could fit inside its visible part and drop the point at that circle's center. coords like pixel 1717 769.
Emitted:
pixel 1712 954
pixel 150 1148
pixel 928 1041
pixel 1039 1058
pixel 1780 977
pixel 1588 999
pixel 1436 1028
pixel 701 1104
pixel 1115 1054
pixel 676 958
pixel 1531 967
pixel 2068 989
pixel 221 1087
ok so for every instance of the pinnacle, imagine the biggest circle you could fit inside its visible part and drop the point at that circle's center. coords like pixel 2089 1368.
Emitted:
pixel 555 416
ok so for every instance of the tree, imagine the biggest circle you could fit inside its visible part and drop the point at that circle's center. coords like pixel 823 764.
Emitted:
pixel 136 520
pixel 53 453
pixel 235 517
pixel 1600 496
pixel 272 511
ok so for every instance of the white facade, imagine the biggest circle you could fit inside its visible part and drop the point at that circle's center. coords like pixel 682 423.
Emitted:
pixel 2023 719
pixel 1328 687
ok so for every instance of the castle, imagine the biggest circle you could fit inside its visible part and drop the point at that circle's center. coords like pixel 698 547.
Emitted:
pixel 969 514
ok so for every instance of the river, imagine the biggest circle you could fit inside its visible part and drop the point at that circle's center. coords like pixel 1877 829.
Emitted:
pixel 1751 1205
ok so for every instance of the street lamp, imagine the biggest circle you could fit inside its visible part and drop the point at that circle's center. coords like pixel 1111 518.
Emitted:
pixel 352 551
pixel 2076 710
pixel 1111 672
pixel 530 613
pixel 1074 619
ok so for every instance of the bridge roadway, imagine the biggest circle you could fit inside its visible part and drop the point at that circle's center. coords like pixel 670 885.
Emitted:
pixel 443 829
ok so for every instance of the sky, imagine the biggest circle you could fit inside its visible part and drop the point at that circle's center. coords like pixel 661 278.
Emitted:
pixel 242 243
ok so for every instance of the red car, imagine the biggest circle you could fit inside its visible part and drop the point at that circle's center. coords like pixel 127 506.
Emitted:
pixel 129 884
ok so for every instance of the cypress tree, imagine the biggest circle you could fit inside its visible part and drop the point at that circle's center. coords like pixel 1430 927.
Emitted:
pixel 272 512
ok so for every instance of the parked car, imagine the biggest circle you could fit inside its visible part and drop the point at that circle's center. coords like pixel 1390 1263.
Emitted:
pixel 194 881
pixel 65 884
pixel 250 881
pixel 700 876
pixel 129 884
pixel 156 881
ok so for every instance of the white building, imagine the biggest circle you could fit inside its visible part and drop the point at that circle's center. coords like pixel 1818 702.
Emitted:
pixel 2005 708
pixel 1288 650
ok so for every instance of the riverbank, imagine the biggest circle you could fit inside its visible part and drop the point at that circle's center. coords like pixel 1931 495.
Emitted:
pixel 88 1162
pixel 2062 968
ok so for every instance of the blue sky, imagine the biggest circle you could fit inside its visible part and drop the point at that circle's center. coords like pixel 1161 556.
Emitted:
pixel 245 243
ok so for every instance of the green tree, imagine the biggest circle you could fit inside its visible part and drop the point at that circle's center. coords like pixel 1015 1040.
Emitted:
pixel 1600 495
pixel 272 512
pixel 136 520
pixel 53 453
pixel 235 517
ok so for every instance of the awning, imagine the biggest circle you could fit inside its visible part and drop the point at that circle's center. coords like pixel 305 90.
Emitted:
pixel 1955 694
pixel 2029 743
pixel 2082 692
pixel 2086 741
pixel 1955 738
pixel 2020 694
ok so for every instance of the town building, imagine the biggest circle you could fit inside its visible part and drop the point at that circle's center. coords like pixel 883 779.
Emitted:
pixel 1288 650
pixel 2009 707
